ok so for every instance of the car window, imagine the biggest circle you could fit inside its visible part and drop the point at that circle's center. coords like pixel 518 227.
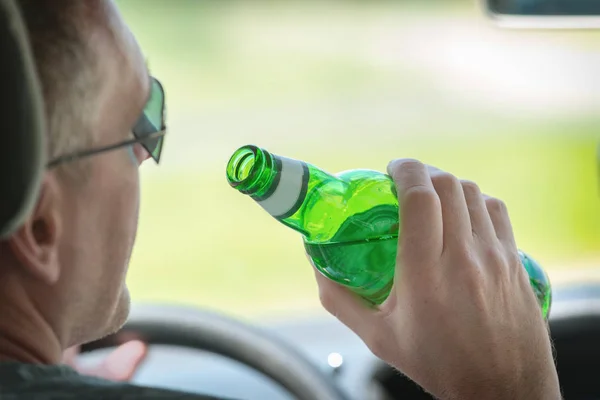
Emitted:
pixel 348 85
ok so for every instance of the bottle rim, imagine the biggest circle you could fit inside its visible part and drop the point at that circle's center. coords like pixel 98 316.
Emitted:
pixel 241 167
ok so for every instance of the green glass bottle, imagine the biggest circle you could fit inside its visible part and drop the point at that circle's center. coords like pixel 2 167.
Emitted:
pixel 349 221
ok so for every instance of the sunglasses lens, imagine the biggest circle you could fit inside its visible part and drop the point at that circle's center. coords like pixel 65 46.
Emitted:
pixel 152 121
pixel 154 147
pixel 155 107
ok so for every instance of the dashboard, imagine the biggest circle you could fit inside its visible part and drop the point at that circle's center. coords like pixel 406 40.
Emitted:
pixel 339 354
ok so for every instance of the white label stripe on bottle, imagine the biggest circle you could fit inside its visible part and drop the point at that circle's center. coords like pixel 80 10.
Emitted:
pixel 289 190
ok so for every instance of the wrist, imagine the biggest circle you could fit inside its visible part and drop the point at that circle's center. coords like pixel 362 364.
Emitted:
pixel 544 387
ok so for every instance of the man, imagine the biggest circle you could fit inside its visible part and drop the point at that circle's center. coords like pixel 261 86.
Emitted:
pixel 63 272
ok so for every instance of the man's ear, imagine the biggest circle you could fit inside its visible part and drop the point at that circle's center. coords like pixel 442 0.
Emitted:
pixel 35 244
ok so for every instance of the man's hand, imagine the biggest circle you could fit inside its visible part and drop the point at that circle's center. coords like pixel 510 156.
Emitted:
pixel 120 365
pixel 462 320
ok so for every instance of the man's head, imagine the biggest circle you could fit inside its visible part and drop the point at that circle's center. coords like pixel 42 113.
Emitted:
pixel 66 266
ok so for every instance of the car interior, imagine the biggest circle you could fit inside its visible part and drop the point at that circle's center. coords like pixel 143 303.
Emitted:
pixel 321 362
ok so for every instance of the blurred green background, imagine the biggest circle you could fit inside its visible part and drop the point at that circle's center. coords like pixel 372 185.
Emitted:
pixel 354 84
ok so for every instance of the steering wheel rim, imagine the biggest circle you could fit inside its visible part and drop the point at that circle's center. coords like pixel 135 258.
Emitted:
pixel 225 336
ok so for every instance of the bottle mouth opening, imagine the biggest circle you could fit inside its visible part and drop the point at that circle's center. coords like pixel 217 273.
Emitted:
pixel 240 167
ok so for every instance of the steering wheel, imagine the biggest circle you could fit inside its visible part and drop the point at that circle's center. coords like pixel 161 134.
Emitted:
pixel 208 331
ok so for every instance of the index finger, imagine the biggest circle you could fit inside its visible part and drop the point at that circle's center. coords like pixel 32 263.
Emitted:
pixel 421 227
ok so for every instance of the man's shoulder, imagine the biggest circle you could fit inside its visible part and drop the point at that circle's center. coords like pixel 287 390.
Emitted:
pixel 21 381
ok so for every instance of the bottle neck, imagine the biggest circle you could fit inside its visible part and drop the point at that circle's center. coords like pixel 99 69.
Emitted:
pixel 278 184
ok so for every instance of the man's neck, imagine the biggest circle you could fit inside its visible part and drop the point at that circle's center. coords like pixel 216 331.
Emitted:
pixel 25 335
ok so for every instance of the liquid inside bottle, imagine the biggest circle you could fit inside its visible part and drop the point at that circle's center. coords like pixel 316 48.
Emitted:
pixel 349 221
pixel 365 265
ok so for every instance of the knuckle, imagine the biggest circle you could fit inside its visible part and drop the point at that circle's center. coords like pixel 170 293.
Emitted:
pixel 469 266
pixel 462 254
pixel 411 164
pixel 444 181
pixel 422 196
pixel 406 166
pixel 496 206
pixel 470 188
pixel 494 258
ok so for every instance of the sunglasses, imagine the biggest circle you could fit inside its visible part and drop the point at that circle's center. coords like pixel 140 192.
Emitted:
pixel 149 130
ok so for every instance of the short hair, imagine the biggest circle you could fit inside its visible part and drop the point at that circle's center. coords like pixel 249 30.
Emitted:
pixel 65 66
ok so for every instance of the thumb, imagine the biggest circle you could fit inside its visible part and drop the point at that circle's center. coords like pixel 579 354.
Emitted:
pixel 122 363
pixel 350 309
pixel 371 324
